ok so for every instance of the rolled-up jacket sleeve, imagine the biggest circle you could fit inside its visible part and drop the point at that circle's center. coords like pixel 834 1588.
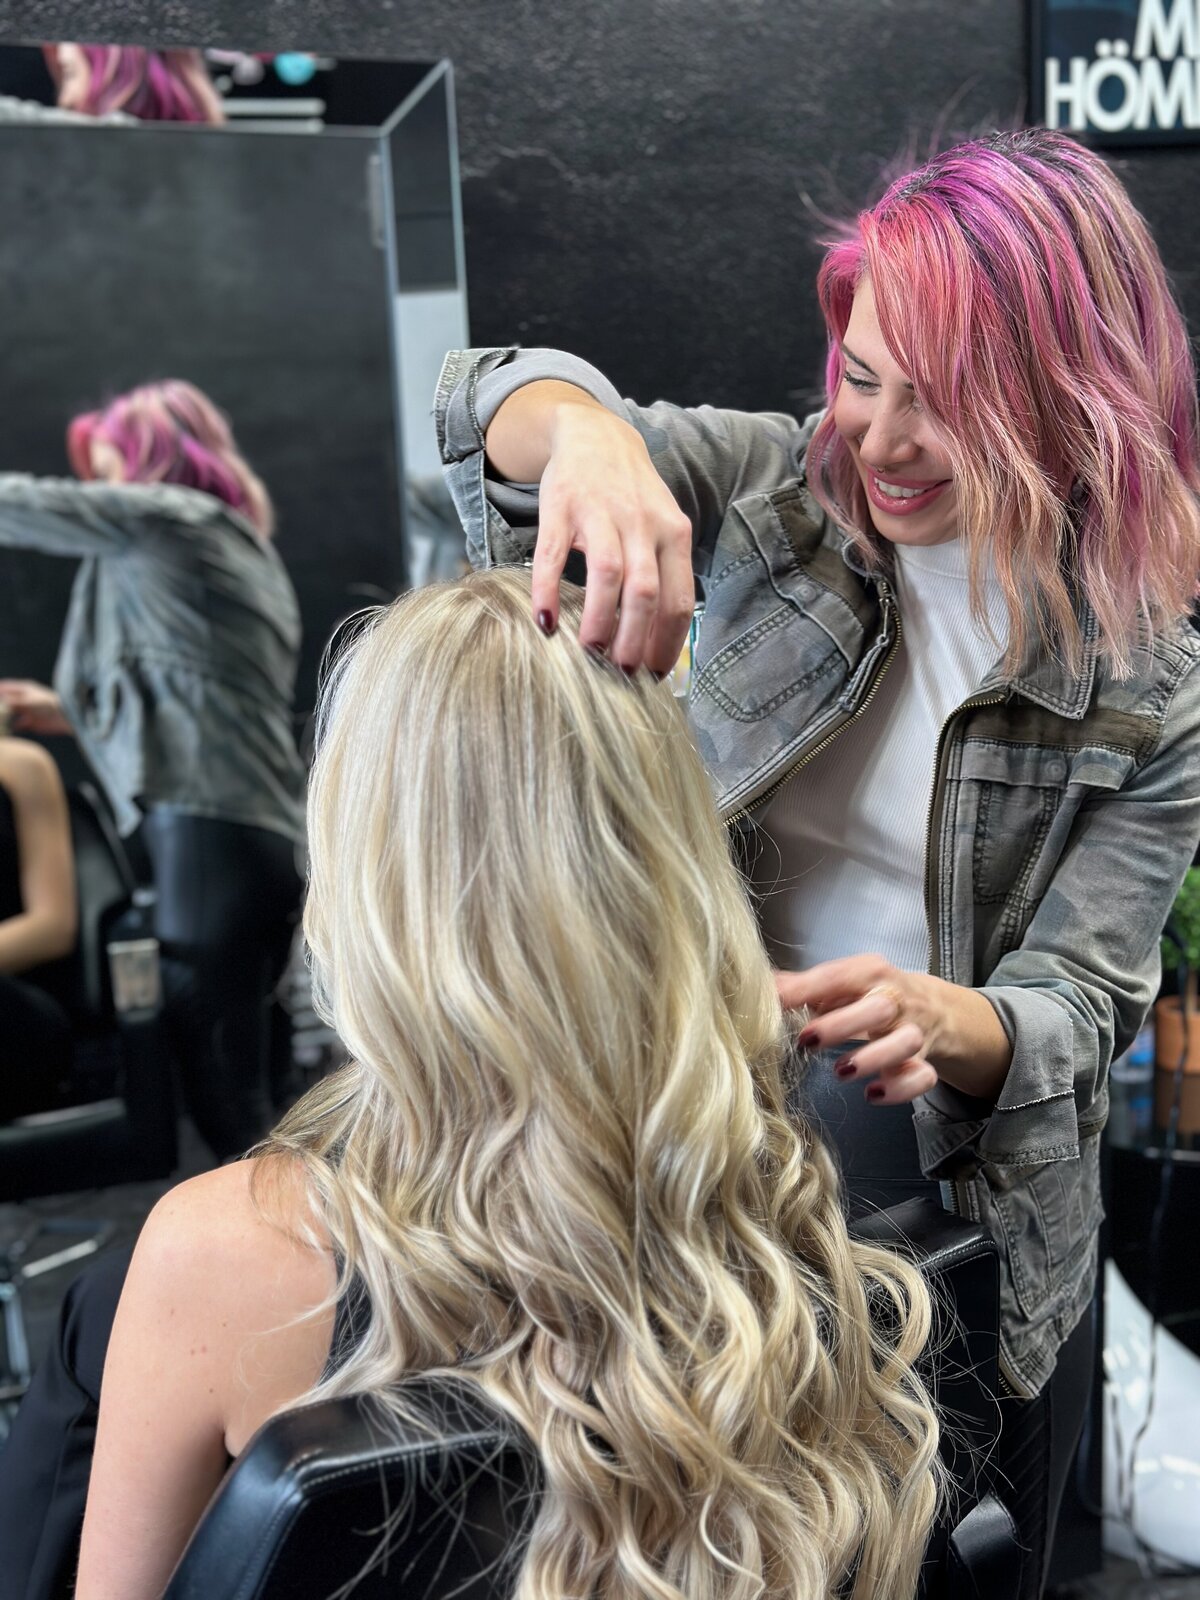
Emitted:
pixel 1075 991
pixel 63 517
pixel 498 517
pixel 707 457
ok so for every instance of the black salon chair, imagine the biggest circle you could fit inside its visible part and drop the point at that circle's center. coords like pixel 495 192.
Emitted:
pixel 124 1127
pixel 113 999
pixel 304 1508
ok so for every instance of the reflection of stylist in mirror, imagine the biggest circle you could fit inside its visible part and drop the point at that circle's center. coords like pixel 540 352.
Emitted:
pixel 175 673
pixel 37 926
pixel 112 83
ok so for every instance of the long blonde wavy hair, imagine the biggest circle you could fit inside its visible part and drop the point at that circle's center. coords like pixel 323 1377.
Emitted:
pixel 560 1162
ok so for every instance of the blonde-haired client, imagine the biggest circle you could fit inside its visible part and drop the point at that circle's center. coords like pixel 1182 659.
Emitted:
pixel 558 1165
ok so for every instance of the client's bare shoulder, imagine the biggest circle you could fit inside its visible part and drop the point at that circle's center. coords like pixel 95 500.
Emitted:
pixel 241 1262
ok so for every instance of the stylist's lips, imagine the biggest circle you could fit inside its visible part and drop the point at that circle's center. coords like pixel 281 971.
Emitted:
pixel 901 497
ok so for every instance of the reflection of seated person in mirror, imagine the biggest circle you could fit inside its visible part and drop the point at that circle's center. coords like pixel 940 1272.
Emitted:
pixel 176 673
pixel 122 84
pixel 37 926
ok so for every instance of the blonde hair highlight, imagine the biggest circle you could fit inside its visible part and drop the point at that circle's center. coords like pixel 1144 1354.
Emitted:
pixel 560 1162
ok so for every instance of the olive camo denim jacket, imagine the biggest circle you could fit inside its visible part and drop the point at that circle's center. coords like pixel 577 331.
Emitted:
pixel 1064 811
pixel 178 657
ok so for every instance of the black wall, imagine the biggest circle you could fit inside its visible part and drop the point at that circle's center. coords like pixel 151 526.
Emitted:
pixel 634 169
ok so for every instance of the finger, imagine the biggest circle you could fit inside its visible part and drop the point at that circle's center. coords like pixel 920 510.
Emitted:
pixel 874 1013
pixel 676 603
pixel 904 1083
pixel 639 607
pixel 829 984
pixel 549 558
pixel 883 1054
pixel 605 571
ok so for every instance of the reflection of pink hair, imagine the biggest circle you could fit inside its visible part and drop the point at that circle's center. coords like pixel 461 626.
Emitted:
pixel 170 432
pixel 1022 294
pixel 155 85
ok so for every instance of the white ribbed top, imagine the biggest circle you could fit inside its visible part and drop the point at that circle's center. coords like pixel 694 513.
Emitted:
pixel 841 869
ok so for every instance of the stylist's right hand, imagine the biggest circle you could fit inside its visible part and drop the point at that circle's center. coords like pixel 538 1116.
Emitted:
pixel 600 494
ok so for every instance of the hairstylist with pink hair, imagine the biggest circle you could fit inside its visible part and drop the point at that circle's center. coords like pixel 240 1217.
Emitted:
pixel 116 84
pixel 944 685
pixel 102 80
pixel 176 674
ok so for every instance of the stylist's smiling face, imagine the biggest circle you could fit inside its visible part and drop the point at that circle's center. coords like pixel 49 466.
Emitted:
pixel 905 474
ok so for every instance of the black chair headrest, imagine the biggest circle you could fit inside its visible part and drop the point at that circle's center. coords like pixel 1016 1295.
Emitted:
pixel 305 1507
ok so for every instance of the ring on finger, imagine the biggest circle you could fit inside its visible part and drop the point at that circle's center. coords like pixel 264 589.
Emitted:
pixel 892 992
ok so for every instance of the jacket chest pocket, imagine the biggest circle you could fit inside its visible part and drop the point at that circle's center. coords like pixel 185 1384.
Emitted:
pixel 1017 805
pixel 758 647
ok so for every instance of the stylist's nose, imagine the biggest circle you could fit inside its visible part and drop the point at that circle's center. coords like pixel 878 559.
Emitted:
pixel 888 442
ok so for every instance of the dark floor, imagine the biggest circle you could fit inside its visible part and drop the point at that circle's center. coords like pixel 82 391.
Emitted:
pixel 126 1207
pixel 1121 1580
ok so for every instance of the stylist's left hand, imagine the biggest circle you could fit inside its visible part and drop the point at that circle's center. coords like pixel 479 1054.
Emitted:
pixel 888 1018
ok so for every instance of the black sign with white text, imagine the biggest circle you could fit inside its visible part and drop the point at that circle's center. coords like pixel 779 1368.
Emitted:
pixel 1118 72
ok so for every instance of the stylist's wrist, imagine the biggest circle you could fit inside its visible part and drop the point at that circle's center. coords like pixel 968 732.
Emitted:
pixel 966 1042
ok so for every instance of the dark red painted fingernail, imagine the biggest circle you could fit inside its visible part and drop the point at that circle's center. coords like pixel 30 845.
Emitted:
pixel 546 623
pixel 875 1092
pixel 846 1067
pixel 807 1037
pixel 657 675
pixel 600 651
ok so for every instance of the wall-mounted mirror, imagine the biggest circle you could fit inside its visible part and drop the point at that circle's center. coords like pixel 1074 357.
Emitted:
pixel 301 264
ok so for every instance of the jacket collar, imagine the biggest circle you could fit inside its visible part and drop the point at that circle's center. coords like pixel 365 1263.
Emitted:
pixel 1046 681
pixel 1040 678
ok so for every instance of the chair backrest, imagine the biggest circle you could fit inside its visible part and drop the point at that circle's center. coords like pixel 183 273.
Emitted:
pixel 434 1507
pixel 302 1510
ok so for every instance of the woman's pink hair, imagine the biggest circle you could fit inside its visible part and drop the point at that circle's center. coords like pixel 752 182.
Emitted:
pixel 154 85
pixel 170 432
pixel 1020 290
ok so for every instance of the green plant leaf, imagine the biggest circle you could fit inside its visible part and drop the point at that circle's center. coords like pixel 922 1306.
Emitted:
pixel 1185 913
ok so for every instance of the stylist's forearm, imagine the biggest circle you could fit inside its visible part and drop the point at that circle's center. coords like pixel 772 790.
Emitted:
pixel 520 437
pixel 970 1049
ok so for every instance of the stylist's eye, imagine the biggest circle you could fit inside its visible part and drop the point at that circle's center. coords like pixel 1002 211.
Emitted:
pixel 863 385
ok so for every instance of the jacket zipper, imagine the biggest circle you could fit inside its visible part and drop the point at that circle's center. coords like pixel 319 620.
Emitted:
pixel 822 744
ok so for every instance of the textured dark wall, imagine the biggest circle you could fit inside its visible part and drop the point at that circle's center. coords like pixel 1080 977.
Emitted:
pixel 634 169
